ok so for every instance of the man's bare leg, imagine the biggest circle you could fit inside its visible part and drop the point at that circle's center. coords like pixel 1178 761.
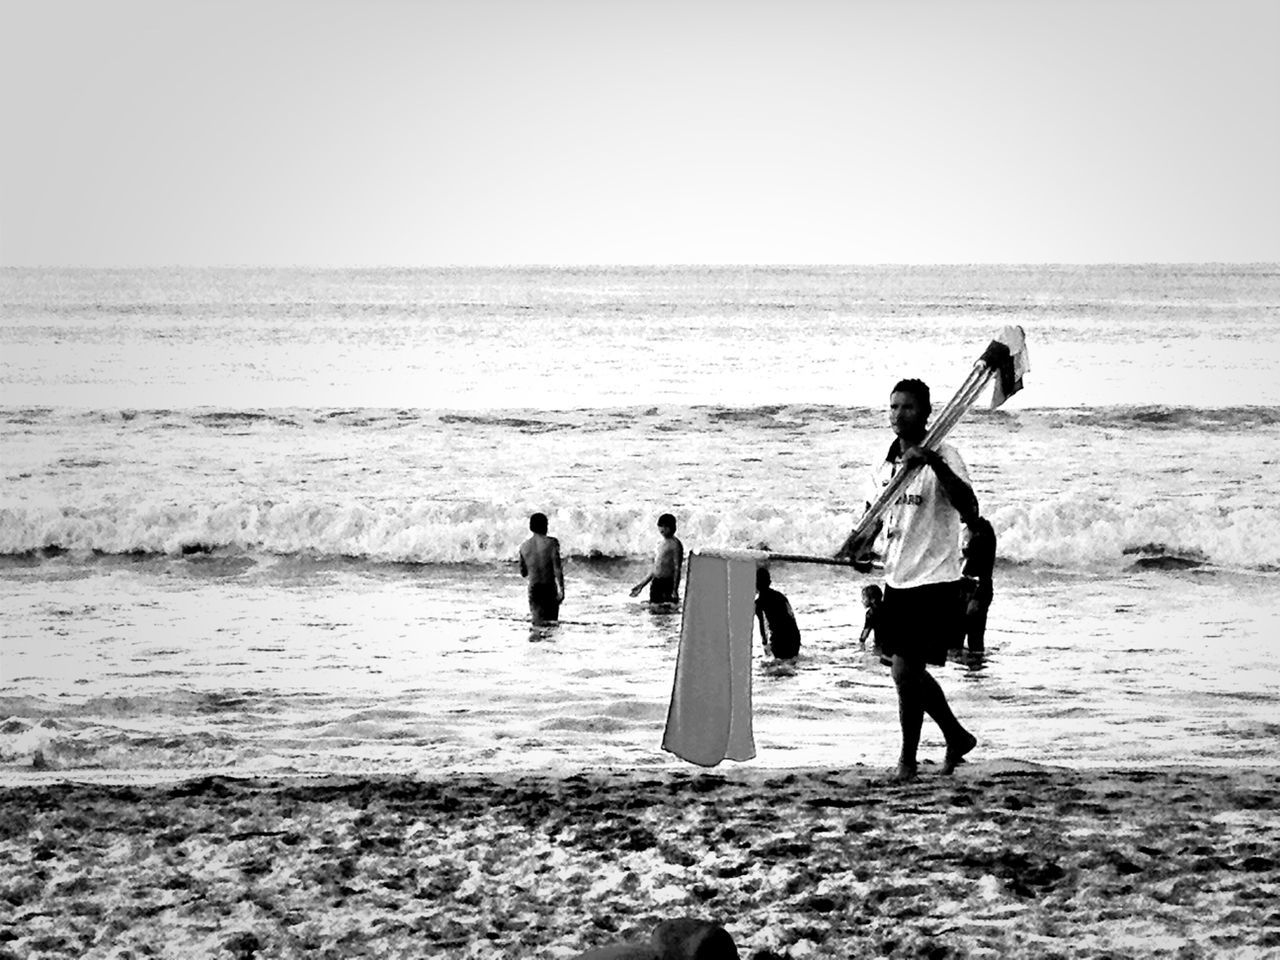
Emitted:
pixel 906 675
pixel 959 740
pixel 918 694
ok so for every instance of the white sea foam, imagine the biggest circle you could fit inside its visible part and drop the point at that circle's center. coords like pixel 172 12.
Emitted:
pixel 1064 487
pixel 1073 529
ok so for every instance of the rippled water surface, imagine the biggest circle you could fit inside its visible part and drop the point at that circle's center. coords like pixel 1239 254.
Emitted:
pixel 265 521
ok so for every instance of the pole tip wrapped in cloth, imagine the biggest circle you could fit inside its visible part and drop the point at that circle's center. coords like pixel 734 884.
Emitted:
pixel 709 719
pixel 1004 361
pixel 1007 356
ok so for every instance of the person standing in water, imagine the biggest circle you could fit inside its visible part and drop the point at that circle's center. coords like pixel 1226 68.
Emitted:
pixel 663 580
pixel 778 627
pixel 922 610
pixel 872 598
pixel 540 562
pixel 979 568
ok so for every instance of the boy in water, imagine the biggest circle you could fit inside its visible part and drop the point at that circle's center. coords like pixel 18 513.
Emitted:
pixel 871 599
pixel 979 565
pixel 540 562
pixel 778 627
pixel 664 579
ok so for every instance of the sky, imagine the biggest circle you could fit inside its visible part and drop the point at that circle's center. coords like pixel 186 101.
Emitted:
pixel 452 132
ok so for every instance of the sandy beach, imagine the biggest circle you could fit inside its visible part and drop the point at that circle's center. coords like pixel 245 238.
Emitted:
pixel 1001 860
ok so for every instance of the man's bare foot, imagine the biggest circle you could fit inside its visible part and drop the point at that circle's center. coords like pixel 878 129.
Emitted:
pixel 956 752
pixel 905 773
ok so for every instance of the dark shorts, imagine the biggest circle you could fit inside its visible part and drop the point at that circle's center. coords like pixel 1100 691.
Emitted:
pixel 922 623
pixel 544 604
pixel 662 590
pixel 785 644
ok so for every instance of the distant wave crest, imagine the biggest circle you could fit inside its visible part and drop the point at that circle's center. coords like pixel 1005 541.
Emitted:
pixel 1072 529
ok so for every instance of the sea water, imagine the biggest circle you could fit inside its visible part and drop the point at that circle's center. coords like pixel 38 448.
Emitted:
pixel 265 521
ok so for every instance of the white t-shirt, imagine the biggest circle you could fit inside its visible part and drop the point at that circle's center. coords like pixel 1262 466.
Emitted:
pixel 920 539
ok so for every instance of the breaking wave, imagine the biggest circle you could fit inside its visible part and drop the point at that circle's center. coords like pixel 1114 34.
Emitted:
pixel 1072 529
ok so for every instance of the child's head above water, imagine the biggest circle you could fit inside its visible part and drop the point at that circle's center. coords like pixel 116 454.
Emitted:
pixel 871 595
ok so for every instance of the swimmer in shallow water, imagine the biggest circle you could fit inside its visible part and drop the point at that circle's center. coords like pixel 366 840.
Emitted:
pixel 540 563
pixel 663 580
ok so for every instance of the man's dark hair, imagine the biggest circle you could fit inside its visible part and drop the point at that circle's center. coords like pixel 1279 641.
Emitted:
pixel 538 523
pixel 763 579
pixel 918 389
pixel 667 520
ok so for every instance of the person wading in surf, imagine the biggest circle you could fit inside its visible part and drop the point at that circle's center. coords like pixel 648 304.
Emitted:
pixel 979 568
pixel 921 616
pixel 540 563
pixel 663 580
pixel 778 629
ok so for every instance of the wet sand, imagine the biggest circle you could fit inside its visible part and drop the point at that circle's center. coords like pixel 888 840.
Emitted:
pixel 1001 860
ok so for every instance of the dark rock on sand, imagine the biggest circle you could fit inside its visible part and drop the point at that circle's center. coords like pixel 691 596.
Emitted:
pixel 681 938
pixel 1259 864
pixel 687 938
pixel 243 946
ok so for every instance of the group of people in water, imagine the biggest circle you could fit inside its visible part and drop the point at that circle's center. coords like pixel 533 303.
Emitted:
pixel 541 565
pixel 936 592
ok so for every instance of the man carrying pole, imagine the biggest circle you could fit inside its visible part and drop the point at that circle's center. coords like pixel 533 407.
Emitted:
pixel 921 614
pixel 921 493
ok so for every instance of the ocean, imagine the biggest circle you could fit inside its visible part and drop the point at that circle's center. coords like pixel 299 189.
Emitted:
pixel 264 522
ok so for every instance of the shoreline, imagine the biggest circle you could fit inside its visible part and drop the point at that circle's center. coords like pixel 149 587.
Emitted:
pixel 745 772
pixel 1003 859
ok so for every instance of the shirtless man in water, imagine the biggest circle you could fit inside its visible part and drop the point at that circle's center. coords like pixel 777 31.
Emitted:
pixel 664 579
pixel 540 562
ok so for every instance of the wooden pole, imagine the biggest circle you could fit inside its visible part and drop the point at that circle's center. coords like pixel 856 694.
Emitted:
pixel 805 558
pixel 947 418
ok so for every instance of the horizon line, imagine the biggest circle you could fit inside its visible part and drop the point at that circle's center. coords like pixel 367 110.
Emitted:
pixel 643 265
